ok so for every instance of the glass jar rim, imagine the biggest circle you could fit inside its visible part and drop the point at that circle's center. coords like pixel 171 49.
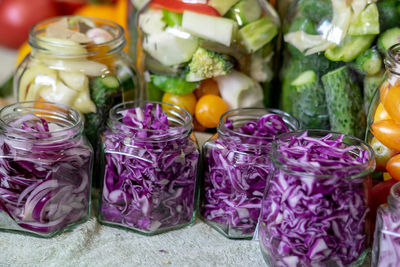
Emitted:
pixel 116 44
pixel 222 130
pixel 279 160
pixel 182 118
pixel 53 110
pixel 393 59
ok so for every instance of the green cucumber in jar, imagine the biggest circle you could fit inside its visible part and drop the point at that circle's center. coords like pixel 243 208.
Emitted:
pixel 388 39
pixel 245 12
pixel 344 102
pixel 255 35
pixel 300 24
pixel 222 6
pixel 103 88
pixel 350 48
pixel 369 62
pixel 309 105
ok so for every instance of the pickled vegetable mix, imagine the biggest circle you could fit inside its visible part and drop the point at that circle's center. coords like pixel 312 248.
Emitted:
pixel 150 167
pixel 207 57
pixel 314 212
pixel 78 62
pixel 386 248
pixel 236 167
pixel 45 167
pixel 333 60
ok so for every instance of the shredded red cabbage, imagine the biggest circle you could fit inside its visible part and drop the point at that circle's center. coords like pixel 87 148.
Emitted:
pixel 44 175
pixel 313 214
pixel 236 169
pixel 386 247
pixel 150 171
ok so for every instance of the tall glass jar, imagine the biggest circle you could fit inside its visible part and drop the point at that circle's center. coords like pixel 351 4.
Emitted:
pixel 236 166
pixel 150 159
pixel 79 62
pixel 46 165
pixel 386 247
pixel 207 57
pixel 315 207
pixel 333 60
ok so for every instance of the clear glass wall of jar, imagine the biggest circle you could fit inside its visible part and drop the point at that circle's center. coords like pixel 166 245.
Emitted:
pixel 236 166
pixel 46 165
pixel 150 159
pixel 386 247
pixel 208 57
pixel 79 62
pixel 315 207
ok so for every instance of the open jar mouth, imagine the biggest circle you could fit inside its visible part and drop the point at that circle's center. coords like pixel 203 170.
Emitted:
pixel 68 119
pixel 393 60
pixel 291 166
pixel 240 116
pixel 111 46
pixel 179 120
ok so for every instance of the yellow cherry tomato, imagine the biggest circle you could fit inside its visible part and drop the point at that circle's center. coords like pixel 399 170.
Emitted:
pixel 381 113
pixel 209 109
pixel 207 87
pixel 187 101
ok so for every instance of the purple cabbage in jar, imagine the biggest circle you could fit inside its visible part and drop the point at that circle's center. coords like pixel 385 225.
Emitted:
pixel 236 167
pixel 386 247
pixel 315 207
pixel 150 171
pixel 44 175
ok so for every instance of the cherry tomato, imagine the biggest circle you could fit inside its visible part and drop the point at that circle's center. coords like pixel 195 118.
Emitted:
pixel 18 16
pixel 382 154
pixel 179 6
pixel 388 133
pixel 209 109
pixel 187 101
pixel 381 113
pixel 391 102
pixel 384 90
pixel 393 167
pixel 207 87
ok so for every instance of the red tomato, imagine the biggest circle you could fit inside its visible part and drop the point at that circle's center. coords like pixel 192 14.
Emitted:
pixel 393 167
pixel 179 6
pixel 391 102
pixel 388 133
pixel 18 16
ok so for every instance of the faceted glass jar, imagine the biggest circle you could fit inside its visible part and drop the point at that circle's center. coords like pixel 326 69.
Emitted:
pixel 386 247
pixel 150 175
pixel 207 58
pixel 79 62
pixel 383 131
pixel 46 164
pixel 236 167
pixel 317 214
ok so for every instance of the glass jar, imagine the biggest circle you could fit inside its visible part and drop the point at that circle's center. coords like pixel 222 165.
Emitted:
pixel 150 159
pixel 236 166
pixel 386 247
pixel 79 62
pixel 333 60
pixel 46 165
pixel 315 207
pixel 207 58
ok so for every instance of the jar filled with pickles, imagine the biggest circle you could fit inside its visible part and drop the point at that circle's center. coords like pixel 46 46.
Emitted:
pixel 78 61
pixel 207 57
